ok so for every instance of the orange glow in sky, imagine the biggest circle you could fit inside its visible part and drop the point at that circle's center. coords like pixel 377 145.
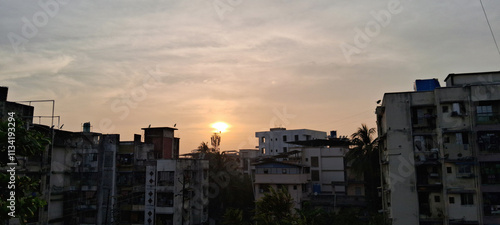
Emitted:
pixel 220 127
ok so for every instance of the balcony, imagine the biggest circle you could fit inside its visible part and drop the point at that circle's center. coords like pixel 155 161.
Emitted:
pixel 427 157
pixel 281 178
pixel 139 208
pixel 337 200
pixel 429 187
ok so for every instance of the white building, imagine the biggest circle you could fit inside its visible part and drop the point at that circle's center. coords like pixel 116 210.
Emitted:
pixel 277 175
pixel 440 151
pixel 274 142
pixel 319 175
pixel 327 169
pixel 176 192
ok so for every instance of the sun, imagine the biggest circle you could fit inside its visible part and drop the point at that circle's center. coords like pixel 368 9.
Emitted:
pixel 220 127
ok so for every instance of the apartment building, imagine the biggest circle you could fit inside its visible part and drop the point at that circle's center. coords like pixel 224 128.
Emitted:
pixel 247 157
pixel 440 151
pixel 277 175
pixel 312 170
pixel 277 140
pixel 163 191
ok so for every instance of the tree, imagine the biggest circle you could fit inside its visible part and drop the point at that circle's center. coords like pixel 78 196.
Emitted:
pixel 228 189
pixel 364 158
pixel 275 208
pixel 28 143
pixel 233 217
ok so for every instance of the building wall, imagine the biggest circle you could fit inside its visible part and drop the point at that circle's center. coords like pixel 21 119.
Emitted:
pixel 399 193
pixel 441 136
pixel 273 142
pixel 330 166
pixel 278 175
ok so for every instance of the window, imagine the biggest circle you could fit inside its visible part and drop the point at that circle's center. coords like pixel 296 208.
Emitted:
pixel 263 139
pixel 448 169
pixel 263 150
pixel 485 110
pixel 285 149
pixel 165 199
pixel 266 171
pixel 284 171
pixel 166 178
pixel 314 162
pixel 296 137
pixel 458 109
pixel 437 198
pixel 452 200
pixel 467 199
pixel 445 108
pixel 484 113
pixel 464 170
pixel 93 157
pixel 462 138
pixel 315 175
pixel 357 191
pixel 284 137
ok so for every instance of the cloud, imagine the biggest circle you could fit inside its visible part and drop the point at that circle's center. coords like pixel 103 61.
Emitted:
pixel 261 55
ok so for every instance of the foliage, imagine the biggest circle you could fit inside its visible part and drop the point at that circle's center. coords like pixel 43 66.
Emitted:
pixel 229 189
pixel 275 208
pixel 363 150
pixel 233 217
pixel 28 143
pixel 364 159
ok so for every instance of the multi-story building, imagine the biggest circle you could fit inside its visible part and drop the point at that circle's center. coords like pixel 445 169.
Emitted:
pixel 77 177
pixel 277 175
pixel 155 186
pixel 312 170
pixel 247 157
pixel 440 151
pixel 177 192
pixel 277 140
pixel 91 178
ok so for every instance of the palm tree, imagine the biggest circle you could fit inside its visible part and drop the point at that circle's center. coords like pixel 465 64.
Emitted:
pixel 363 150
pixel 364 159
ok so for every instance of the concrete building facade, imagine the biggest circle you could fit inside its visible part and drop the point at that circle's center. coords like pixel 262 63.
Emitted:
pixel 277 140
pixel 311 169
pixel 439 152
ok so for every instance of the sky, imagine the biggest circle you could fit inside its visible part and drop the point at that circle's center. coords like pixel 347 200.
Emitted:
pixel 317 64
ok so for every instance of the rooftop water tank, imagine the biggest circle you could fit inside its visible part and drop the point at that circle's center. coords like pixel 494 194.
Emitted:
pixel 426 84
